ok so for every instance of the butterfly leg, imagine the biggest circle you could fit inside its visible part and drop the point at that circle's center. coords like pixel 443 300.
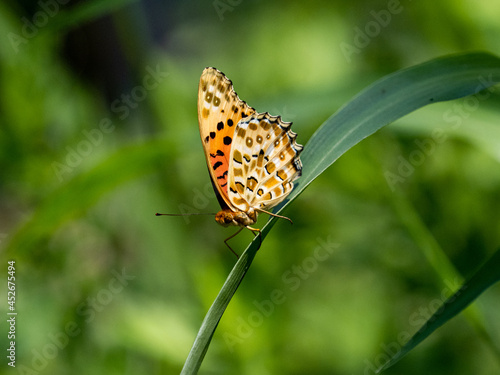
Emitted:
pixel 254 230
pixel 231 236
pixel 278 216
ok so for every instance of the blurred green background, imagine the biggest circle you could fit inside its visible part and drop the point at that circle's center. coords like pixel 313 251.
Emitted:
pixel 98 131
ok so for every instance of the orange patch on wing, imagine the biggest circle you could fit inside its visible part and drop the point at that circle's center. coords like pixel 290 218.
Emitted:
pixel 219 110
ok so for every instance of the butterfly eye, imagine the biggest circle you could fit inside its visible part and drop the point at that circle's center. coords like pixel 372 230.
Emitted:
pixel 216 101
pixel 259 139
pixel 249 142
pixel 208 97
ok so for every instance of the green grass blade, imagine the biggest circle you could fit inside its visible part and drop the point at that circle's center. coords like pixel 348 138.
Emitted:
pixel 215 312
pixel 385 101
pixel 391 98
pixel 485 277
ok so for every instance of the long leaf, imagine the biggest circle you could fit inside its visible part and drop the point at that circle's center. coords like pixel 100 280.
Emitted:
pixel 386 100
pixel 486 276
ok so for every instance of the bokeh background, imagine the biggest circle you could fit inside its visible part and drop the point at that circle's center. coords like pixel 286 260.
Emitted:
pixel 98 132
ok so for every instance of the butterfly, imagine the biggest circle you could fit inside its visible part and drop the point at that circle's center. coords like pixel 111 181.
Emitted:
pixel 252 157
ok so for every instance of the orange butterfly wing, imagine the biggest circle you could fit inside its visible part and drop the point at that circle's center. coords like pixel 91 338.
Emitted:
pixel 219 110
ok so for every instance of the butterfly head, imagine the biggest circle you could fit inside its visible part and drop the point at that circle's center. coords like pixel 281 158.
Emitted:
pixel 227 217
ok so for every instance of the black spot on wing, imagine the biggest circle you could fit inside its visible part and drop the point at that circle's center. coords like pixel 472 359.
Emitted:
pixel 220 125
pixel 223 176
pixel 227 140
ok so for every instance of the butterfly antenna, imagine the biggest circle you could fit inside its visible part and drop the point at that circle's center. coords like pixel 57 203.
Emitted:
pixel 271 214
pixel 196 213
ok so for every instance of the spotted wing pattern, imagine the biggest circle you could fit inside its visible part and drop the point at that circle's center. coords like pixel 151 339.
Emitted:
pixel 252 157
pixel 264 162
pixel 219 111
